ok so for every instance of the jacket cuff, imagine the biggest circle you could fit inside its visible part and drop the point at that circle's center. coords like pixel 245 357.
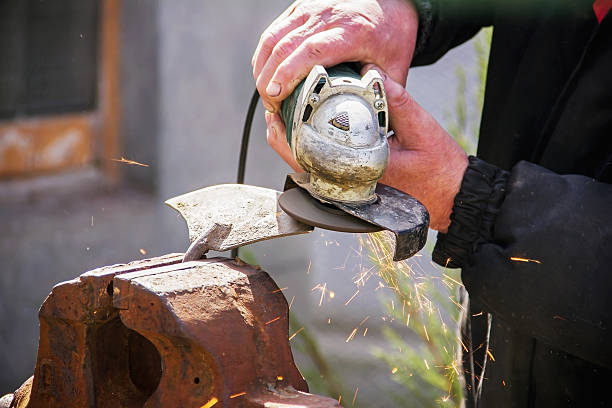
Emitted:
pixel 425 11
pixel 475 209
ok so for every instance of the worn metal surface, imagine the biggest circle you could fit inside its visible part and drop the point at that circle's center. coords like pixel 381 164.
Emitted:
pixel 228 216
pixel 393 210
pixel 338 131
pixel 162 333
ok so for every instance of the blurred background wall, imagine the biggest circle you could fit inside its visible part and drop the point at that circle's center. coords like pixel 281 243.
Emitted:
pixel 183 81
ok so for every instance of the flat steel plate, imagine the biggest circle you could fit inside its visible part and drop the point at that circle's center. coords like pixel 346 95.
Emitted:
pixel 228 216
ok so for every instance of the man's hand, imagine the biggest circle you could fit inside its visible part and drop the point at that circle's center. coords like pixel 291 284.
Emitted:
pixel 425 160
pixel 328 32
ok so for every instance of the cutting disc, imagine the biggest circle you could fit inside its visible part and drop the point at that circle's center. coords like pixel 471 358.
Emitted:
pixel 303 207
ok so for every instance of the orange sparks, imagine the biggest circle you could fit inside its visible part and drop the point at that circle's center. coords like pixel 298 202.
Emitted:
pixel 272 321
pixel 477 314
pixel 365 332
pixel 210 403
pixel 240 394
pixel 332 294
pixel 490 355
pixel 279 378
pixel 352 297
pixel 142 251
pixel 339 399
pixel 426 364
pixel 280 290
pixel 426 335
pixel 394 370
pixel 355 396
pixel 291 303
pixel 132 162
pixel 517 259
pixel 503 383
pixel 329 320
pixel 350 337
pixel 296 333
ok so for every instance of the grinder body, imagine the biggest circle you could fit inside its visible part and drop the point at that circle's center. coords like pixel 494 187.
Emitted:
pixel 337 124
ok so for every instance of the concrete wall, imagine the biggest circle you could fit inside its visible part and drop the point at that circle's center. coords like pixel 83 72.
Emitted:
pixel 186 84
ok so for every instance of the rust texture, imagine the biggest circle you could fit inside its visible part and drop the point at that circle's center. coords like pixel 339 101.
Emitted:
pixel 161 333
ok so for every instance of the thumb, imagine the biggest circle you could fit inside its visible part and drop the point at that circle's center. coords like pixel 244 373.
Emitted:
pixel 407 118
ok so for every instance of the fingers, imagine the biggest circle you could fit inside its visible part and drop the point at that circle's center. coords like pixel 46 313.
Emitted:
pixel 283 24
pixel 325 48
pixel 277 139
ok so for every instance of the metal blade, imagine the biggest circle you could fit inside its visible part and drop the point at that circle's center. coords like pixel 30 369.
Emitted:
pixel 394 210
pixel 228 216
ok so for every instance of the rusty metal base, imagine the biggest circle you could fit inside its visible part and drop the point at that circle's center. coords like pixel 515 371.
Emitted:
pixel 161 333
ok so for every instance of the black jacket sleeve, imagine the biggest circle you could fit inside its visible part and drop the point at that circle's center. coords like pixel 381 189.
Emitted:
pixel 535 249
pixel 444 24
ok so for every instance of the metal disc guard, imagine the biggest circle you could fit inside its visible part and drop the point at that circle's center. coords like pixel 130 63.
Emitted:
pixel 394 211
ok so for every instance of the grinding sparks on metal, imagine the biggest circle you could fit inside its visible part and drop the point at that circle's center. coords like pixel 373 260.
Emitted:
pixel 322 289
pixel 240 394
pixel 517 259
pixel 130 162
pixel 490 355
pixel 296 333
pixel 279 290
pixel 210 403
pixel 394 370
pixel 355 396
pixel 272 321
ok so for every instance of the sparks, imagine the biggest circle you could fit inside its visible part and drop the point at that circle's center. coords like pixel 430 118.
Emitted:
pixel 426 335
pixel 490 355
pixel 426 364
pixel 296 333
pixel 308 270
pixel 394 370
pixel 280 290
pixel 279 378
pixel 291 303
pixel 355 396
pixel 365 332
pixel 142 251
pixel 272 321
pixel 517 259
pixel 332 294
pixel 352 297
pixel 210 403
pixel 350 337
pixel 131 162
pixel 240 394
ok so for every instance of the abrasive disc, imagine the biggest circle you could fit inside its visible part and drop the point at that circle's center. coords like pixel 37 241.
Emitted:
pixel 303 207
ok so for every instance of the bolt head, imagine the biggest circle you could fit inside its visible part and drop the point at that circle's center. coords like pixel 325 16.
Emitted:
pixel 314 98
pixel 379 104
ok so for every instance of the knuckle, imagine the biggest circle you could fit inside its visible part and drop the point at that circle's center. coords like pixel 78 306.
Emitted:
pixel 283 49
pixel 314 50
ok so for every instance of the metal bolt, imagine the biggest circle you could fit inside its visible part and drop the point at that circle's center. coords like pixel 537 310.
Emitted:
pixel 379 104
pixel 314 98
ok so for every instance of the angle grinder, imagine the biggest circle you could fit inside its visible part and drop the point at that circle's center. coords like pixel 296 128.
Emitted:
pixel 337 128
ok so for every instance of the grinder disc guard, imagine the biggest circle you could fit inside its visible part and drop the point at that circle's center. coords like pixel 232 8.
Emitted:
pixel 394 211
pixel 303 207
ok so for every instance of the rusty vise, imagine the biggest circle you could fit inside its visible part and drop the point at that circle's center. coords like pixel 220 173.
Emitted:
pixel 163 333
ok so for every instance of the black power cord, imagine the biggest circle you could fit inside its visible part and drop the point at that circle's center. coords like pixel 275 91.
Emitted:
pixel 244 145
